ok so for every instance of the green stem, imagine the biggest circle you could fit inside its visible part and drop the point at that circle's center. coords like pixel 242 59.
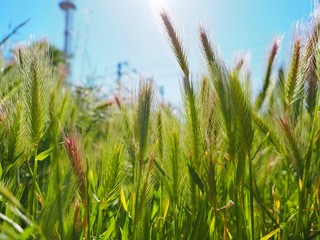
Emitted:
pixel 99 221
pixel 34 182
pixel 251 196
pixel 88 200
pixel 303 193
pixel 60 199
pixel 137 177
pixel 236 211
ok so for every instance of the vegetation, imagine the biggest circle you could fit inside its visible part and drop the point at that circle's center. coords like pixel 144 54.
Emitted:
pixel 228 167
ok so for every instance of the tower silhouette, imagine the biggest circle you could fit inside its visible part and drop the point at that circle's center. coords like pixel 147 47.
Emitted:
pixel 68 7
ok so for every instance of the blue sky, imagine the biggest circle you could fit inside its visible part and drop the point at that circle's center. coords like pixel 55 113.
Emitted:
pixel 110 31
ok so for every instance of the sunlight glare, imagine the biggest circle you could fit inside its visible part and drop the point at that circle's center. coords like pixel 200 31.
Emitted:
pixel 158 5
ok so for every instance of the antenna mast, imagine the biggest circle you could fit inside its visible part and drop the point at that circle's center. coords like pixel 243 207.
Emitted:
pixel 68 7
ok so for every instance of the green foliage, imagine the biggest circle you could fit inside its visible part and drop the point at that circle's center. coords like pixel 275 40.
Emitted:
pixel 228 167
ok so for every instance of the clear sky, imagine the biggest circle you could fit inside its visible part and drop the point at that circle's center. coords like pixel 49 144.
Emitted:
pixel 110 31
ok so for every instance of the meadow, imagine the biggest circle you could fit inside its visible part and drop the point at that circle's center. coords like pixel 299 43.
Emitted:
pixel 227 166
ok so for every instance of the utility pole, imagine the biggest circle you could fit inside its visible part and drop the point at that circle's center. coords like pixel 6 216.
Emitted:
pixel 68 7
pixel 120 66
pixel 161 91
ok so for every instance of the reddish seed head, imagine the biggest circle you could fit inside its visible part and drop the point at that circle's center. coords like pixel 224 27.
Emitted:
pixel 117 100
pixel 274 50
pixel 76 163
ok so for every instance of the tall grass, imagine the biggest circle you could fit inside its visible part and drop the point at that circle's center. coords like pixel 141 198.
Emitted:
pixel 229 167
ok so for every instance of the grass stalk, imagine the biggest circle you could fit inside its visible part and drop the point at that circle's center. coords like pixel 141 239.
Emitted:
pixel 251 196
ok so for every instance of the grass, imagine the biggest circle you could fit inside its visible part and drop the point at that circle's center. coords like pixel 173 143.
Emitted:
pixel 229 167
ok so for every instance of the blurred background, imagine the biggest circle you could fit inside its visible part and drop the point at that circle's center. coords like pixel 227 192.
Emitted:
pixel 113 43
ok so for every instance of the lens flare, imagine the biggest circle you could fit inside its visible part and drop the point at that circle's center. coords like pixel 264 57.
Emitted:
pixel 158 4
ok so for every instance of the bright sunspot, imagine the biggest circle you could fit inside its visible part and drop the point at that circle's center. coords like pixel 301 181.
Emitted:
pixel 157 5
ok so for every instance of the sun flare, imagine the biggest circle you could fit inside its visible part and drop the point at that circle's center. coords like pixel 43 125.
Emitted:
pixel 158 4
